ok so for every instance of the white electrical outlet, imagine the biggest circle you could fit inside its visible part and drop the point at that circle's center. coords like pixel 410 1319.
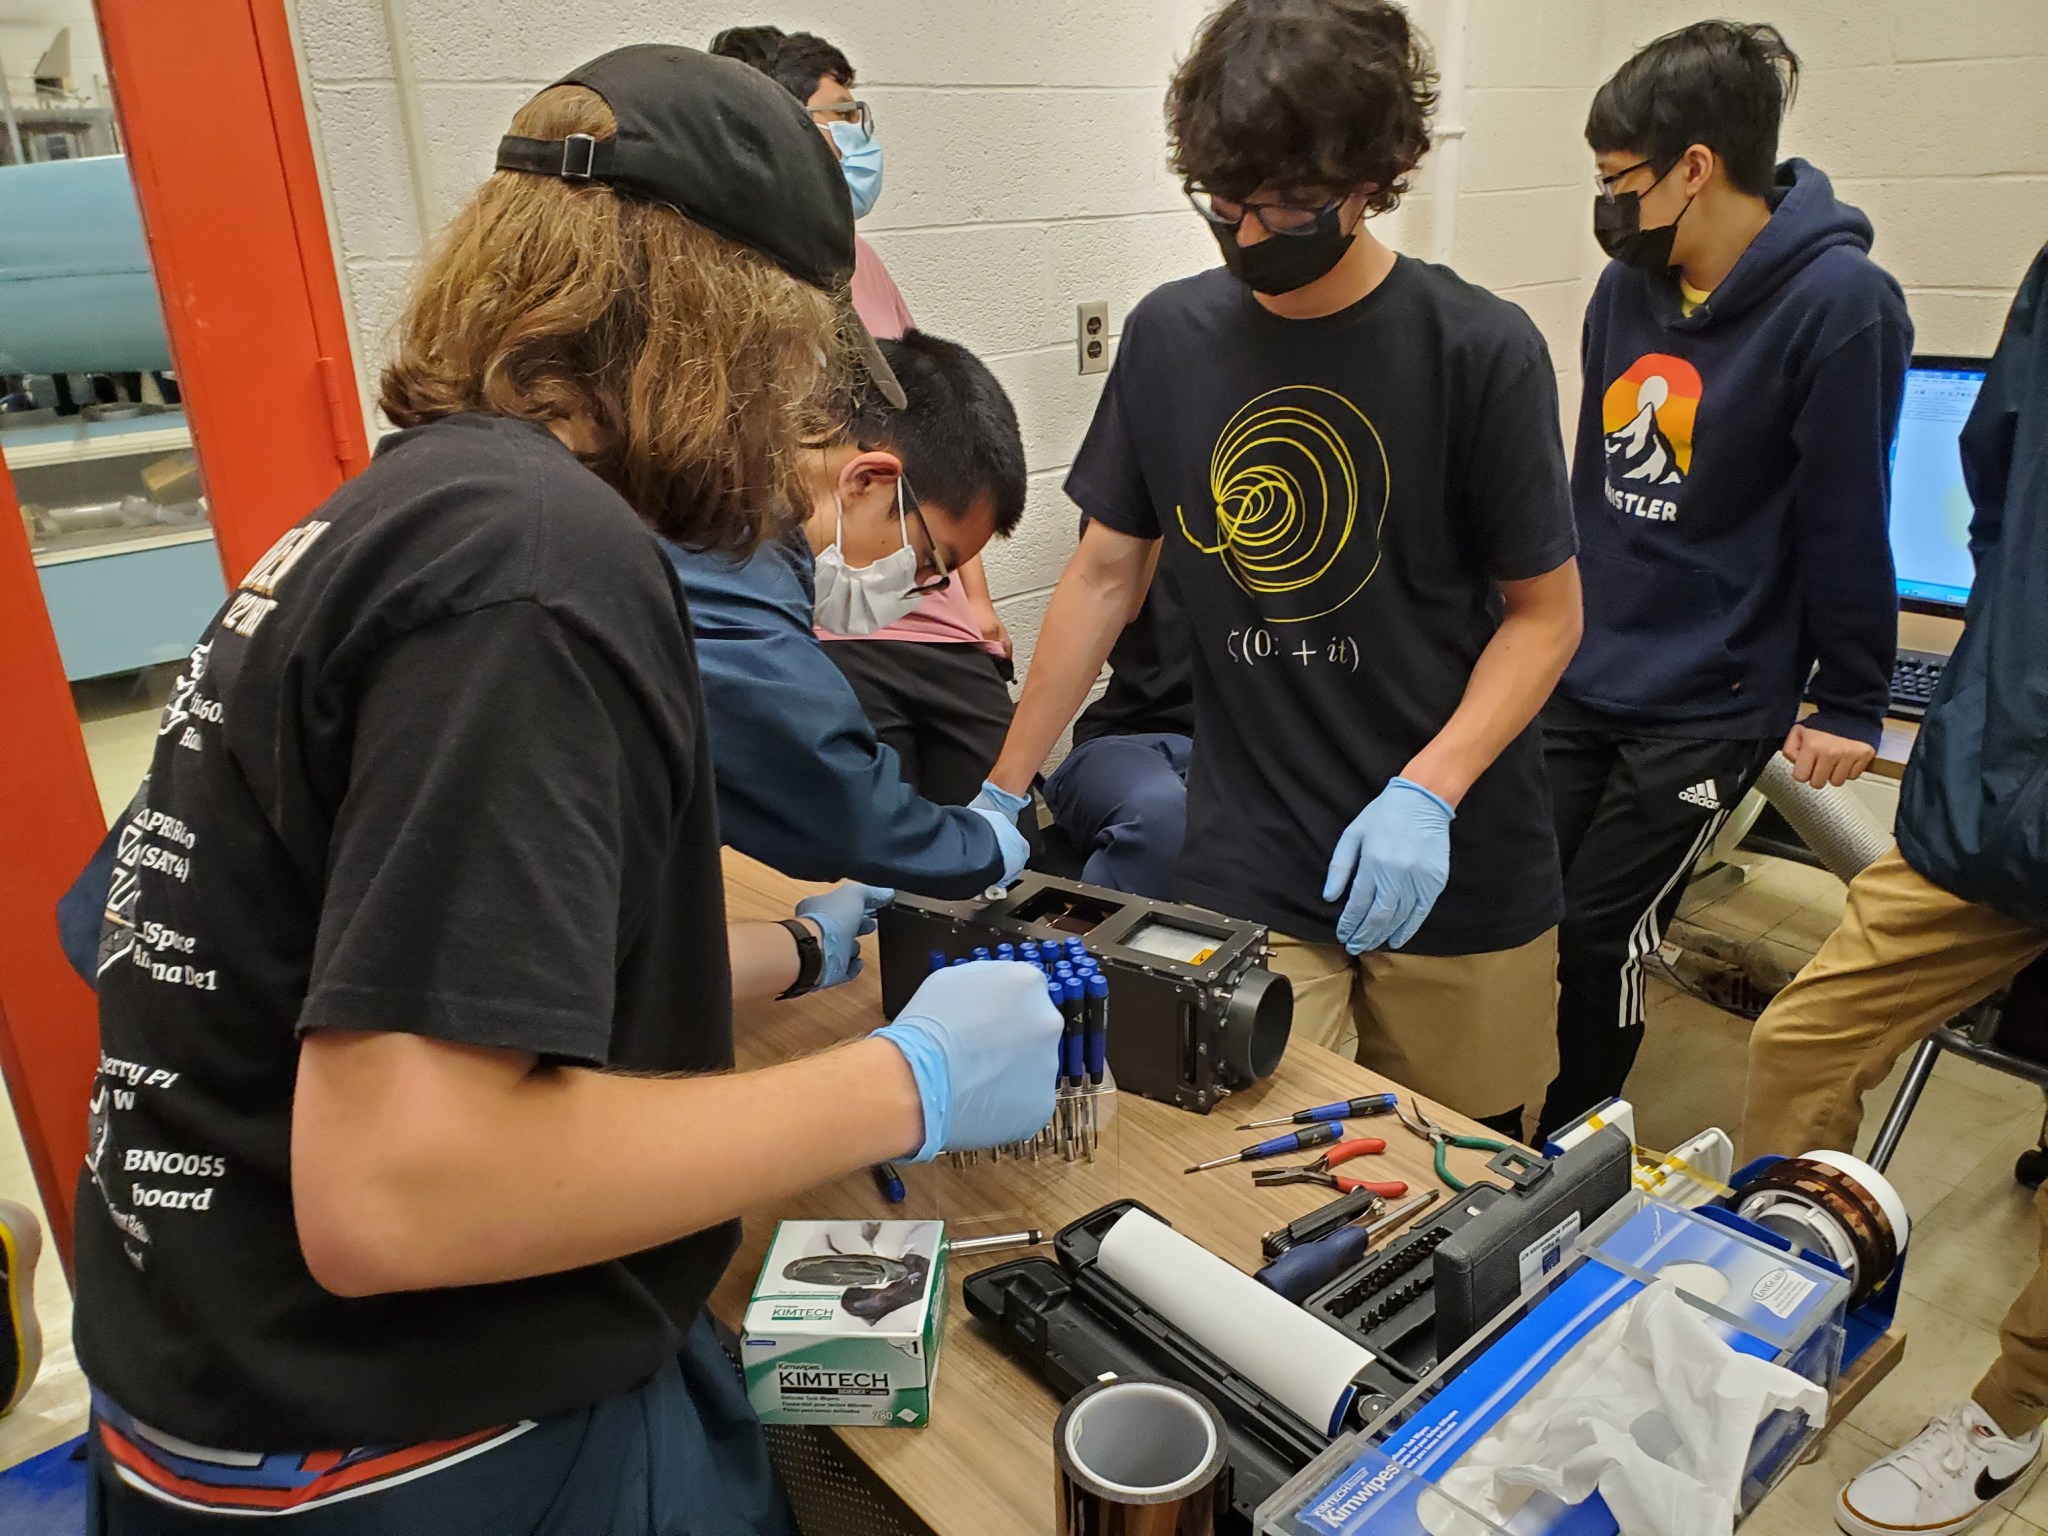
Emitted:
pixel 1091 335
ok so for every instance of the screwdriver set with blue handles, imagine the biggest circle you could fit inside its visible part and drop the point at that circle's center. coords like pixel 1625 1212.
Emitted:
pixel 1196 1014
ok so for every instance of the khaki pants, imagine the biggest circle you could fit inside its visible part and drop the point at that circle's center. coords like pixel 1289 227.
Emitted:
pixel 1907 958
pixel 1477 1033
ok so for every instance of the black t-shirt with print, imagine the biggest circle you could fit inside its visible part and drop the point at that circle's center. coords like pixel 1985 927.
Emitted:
pixel 1338 500
pixel 1150 673
pixel 438 767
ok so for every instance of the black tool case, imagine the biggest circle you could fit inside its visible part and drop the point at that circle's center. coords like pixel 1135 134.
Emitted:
pixel 1073 1325
pixel 1387 1301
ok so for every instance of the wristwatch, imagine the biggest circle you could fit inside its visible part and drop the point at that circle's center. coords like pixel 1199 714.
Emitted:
pixel 810 956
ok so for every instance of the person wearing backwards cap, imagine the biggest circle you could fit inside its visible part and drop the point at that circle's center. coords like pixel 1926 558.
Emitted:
pixel 416 1147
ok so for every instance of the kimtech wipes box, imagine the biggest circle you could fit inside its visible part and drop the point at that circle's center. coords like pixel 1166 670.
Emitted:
pixel 845 1322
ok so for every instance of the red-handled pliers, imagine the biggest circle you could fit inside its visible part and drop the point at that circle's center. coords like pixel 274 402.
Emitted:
pixel 1320 1171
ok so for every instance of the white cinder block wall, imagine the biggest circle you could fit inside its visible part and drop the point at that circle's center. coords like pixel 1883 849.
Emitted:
pixel 1027 172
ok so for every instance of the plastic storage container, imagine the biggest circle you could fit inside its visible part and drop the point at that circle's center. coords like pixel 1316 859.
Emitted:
pixel 1383 1480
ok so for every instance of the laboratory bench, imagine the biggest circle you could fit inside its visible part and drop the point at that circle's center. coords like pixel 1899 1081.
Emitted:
pixel 984 1464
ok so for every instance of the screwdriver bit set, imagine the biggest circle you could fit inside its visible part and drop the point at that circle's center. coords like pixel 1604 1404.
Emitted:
pixel 1080 992
pixel 1198 1014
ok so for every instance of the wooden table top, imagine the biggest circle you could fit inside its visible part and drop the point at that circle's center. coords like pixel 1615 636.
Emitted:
pixel 984 1463
pixel 983 1466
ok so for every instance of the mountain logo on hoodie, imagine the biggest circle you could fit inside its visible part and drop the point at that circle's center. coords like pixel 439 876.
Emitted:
pixel 1647 414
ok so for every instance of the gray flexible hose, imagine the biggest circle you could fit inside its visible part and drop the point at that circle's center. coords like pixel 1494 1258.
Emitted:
pixel 1830 821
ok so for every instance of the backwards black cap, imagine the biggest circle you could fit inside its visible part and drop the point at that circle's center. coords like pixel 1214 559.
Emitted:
pixel 726 147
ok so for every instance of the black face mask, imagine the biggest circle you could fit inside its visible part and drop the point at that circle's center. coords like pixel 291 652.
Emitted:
pixel 1283 263
pixel 1617 225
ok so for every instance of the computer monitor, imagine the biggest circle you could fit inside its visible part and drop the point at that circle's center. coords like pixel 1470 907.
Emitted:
pixel 1930 505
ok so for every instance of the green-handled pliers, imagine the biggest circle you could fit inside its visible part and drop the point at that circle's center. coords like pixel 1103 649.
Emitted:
pixel 1443 1139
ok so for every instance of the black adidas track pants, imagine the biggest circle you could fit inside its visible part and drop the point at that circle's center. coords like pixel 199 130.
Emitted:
pixel 1633 815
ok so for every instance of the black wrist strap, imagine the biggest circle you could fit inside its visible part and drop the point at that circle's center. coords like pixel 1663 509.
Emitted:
pixel 810 956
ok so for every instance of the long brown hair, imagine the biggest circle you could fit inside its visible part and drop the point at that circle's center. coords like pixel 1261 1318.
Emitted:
pixel 692 368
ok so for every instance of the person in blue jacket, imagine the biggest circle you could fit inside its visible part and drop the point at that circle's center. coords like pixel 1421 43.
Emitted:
pixel 1947 917
pixel 1744 360
pixel 898 500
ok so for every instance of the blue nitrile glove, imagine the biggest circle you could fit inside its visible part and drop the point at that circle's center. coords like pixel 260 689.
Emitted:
pixel 983 1043
pixel 843 914
pixel 1396 857
pixel 1002 809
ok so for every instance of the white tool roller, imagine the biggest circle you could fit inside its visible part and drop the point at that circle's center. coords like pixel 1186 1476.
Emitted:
pixel 1296 1357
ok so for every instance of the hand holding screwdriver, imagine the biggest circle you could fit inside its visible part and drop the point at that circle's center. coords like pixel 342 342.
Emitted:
pixel 982 1041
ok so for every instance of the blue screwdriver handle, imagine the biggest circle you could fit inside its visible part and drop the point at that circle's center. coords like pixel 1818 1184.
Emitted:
pixel 1294 1141
pixel 1306 1268
pixel 1324 1112
pixel 1073 1004
pixel 1097 1017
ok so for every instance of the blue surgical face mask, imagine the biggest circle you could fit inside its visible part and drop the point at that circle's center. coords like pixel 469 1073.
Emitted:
pixel 860 162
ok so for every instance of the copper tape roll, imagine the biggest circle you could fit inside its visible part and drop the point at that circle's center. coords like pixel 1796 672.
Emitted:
pixel 1140 1458
pixel 1841 1198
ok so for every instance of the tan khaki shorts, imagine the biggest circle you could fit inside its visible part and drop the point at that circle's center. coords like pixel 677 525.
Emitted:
pixel 1475 1032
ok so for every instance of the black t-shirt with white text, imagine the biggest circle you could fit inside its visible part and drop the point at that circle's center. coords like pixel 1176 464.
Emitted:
pixel 1339 500
pixel 439 767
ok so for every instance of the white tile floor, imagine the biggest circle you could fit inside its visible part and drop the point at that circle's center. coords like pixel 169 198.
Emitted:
pixel 1975 1242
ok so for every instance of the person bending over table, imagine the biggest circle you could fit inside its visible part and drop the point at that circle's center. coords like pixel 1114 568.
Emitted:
pixel 895 498
pixel 415 1147
pixel 1350 462
pixel 933 681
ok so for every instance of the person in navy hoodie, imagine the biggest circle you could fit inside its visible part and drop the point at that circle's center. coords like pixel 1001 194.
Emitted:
pixel 1743 360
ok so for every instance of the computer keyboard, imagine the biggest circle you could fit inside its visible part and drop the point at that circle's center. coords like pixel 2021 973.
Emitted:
pixel 1915 676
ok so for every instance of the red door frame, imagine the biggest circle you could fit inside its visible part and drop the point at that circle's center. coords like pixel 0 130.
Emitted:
pixel 214 123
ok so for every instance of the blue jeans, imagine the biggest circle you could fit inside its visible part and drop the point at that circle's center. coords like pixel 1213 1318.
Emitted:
pixel 1125 800
pixel 681 1456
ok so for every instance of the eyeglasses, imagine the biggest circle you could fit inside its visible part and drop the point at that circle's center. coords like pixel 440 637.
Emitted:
pixel 1276 218
pixel 1604 185
pixel 932 556
pixel 845 112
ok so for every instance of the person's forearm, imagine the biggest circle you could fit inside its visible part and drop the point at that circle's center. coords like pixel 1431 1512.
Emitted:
pixel 1514 677
pixel 530 1171
pixel 1089 609
pixel 764 958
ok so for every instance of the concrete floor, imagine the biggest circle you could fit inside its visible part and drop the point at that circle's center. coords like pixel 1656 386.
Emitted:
pixel 1976 1238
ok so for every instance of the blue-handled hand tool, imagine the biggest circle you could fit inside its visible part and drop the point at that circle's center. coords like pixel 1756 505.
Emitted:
pixel 1279 1146
pixel 1343 1109
pixel 1306 1268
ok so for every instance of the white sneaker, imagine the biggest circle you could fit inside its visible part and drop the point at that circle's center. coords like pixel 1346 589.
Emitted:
pixel 1941 1481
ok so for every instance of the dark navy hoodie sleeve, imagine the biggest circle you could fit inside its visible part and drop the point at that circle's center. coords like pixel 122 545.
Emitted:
pixel 804 785
pixel 1841 540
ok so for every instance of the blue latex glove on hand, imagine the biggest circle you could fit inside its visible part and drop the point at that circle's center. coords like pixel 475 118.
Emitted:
pixel 983 1043
pixel 1001 809
pixel 843 914
pixel 1395 857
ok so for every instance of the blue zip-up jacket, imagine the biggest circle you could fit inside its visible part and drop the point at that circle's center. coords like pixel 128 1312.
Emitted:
pixel 803 784
pixel 1732 485
pixel 1973 811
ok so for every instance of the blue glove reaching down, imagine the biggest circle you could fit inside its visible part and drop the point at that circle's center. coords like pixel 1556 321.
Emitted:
pixel 1001 809
pixel 1395 857
pixel 843 914
pixel 983 1043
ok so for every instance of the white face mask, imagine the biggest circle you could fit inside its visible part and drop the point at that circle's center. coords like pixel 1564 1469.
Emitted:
pixel 858 600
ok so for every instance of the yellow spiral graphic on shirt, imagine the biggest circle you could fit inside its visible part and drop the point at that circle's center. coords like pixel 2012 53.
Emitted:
pixel 1297 515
